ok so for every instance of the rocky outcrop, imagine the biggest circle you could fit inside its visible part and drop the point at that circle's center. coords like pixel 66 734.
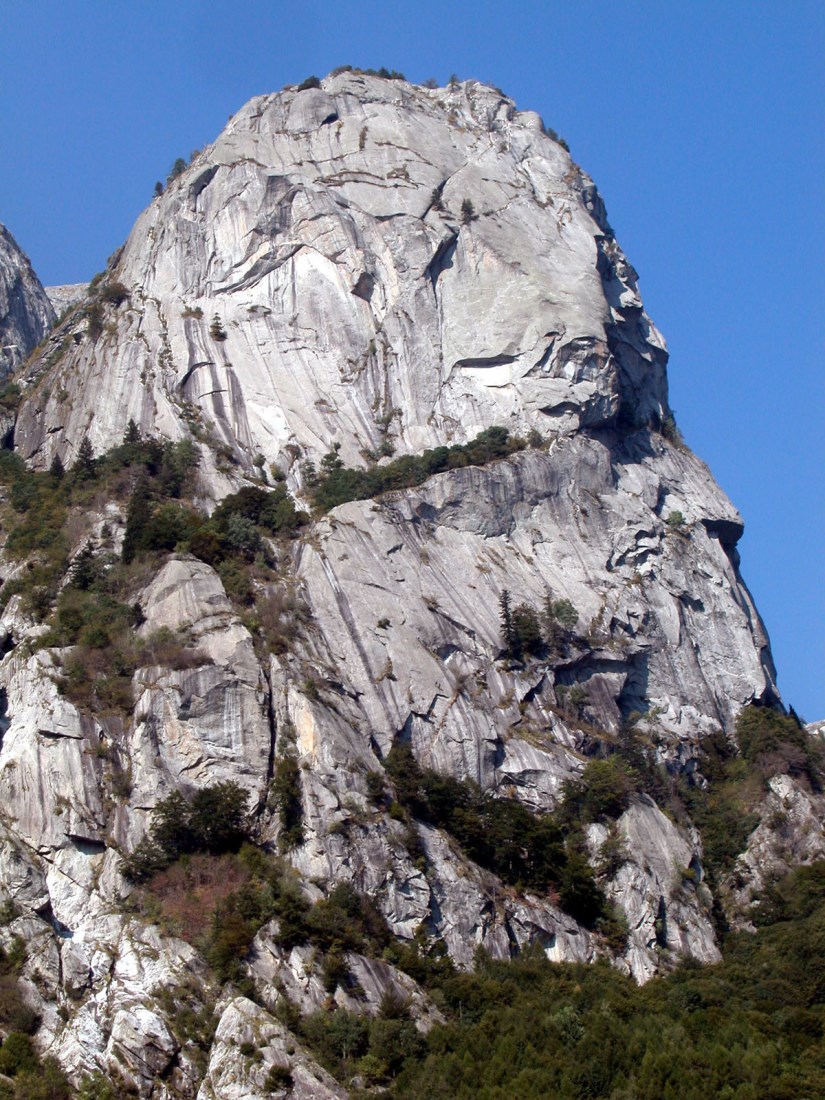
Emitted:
pixel 386 268
pixel 233 1075
pixel 386 264
pixel 67 296
pixel 654 875
pixel 26 314
pixel 790 833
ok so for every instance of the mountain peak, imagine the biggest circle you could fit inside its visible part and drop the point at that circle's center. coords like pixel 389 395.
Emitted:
pixel 392 266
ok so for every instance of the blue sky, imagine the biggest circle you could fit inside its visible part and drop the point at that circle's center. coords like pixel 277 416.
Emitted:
pixel 701 122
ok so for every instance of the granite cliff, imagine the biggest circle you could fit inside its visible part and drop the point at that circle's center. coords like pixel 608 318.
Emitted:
pixel 353 273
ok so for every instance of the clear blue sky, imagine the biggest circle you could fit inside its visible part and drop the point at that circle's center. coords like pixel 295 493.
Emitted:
pixel 701 122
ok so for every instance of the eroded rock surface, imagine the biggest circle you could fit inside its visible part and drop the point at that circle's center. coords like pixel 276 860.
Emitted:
pixel 26 314
pixel 354 299
pixel 379 266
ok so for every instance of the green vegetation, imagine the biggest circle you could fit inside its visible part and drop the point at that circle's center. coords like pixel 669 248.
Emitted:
pixel 750 1028
pixel 216 329
pixel 543 853
pixel 336 484
pixel 177 169
pixel 776 744
pixel 376 1049
pixel 15 1015
pixel 30 1078
pixel 675 520
pixel 113 293
pixel 285 796
pixel 214 821
pixel 526 632
pixel 10 395
pixel 95 613
pixel 724 805
pixel 219 902
pixel 384 73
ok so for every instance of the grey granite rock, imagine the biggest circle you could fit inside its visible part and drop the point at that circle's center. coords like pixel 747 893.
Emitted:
pixel 26 314
pixel 360 301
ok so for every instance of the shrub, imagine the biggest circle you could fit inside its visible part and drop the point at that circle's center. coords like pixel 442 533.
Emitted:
pixel 603 792
pixel 336 1036
pixel 562 612
pixel 384 73
pixel 670 431
pixel 468 213
pixel 526 631
pixel 523 849
pixel 96 1087
pixel 523 633
pixel 94 319
pixel 214 821
pixel 216 329
pixel 15 1014
pixel 177 169
pixel 10 395
pixel 336 484
pixel 310 82
pixel 776 744
pixel 17 1054
pixel 114 293
pixel 278 1077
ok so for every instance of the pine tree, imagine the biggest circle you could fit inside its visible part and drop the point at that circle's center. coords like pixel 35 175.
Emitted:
pixel 56 470
pixel 85 463
pixel 132 433
pixel 507 631
pixel 177 169
pixel 137 520
pixel 468 212
pixel 85 569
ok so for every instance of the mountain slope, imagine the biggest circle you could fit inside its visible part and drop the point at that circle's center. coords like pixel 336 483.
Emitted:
pixel 475 712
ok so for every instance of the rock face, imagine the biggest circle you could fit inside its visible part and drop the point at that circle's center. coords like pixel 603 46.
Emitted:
pixel 384 267
pixel 386 263
pixel 26 314
pixel 66 296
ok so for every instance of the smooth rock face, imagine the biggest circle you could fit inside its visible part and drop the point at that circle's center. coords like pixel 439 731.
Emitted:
pixel 26 314
pixel 66 296
pixel 324 228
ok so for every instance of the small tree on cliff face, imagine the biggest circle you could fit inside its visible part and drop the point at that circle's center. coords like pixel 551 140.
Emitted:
pixel 526 629
pixel 468 212
pixel 177 169
pixel 56 470
pixel 508 634
pixel 85 464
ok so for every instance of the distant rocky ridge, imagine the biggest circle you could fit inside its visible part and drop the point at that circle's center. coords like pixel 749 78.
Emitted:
pixel 26 314
pixel 64 297
pixel 355 271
